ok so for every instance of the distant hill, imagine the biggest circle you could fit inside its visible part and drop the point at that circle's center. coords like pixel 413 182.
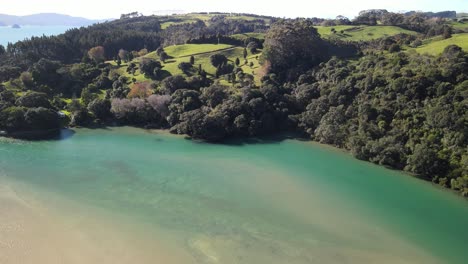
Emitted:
pixel 46 19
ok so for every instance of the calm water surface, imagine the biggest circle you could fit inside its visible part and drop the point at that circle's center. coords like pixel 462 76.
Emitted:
pixel 125 195
pixel 8 34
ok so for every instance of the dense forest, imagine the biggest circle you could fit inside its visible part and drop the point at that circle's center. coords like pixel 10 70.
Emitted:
pixel 379 99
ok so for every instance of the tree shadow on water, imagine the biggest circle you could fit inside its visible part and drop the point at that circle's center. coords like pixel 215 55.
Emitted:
pixel 47 135
pixel 267 139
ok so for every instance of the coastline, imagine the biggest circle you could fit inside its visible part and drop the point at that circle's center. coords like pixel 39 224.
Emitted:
pixel 58 134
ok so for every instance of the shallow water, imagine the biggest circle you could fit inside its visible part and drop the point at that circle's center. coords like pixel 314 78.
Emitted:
pixel 131 196
pixel 12 35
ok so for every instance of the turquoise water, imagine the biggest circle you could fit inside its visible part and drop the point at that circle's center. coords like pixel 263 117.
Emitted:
pixel 265 202
pixel 8 34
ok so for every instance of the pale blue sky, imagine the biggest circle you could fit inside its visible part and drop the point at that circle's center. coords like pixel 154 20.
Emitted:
pixel 99 9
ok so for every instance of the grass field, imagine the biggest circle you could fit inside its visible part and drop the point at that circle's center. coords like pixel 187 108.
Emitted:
pixel 178 51
pixel 193 17
pixel 460 26
pixel 249 35
pixel 358 33
pixel 201 53
pixel 165 25
pixel 437 46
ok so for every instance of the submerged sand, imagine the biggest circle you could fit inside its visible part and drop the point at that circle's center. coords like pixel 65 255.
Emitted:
pixel 32 232
pixel 132 197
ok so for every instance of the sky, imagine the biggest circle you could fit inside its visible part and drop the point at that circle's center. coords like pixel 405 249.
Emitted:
pixel 102 9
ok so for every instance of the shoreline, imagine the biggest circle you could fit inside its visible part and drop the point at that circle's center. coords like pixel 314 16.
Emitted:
pixel 56 134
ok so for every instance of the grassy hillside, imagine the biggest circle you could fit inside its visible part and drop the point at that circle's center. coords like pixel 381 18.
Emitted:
pixel 436 46
pixel 193 17
pixel 249 35
pixel 361 33
pixel 201 53
pixel 178 51
pixel 463 26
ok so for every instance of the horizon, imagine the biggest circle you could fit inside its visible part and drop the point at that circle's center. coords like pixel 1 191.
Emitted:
pixel 107 10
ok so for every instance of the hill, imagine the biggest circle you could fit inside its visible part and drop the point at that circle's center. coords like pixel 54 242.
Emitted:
pixel 436 46
pixel 361 33
pixel 208 18
pixel 460 26
pixel 46 19
pixel 201 53
pixel 396 109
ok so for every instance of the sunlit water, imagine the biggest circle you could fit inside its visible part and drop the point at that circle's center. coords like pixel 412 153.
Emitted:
pixel 125 195
pixel 12 35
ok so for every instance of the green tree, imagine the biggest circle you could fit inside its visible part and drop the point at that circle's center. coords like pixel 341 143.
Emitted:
pixel 291 44
pixel 34 99
pixel 425 161
pixel 218 60
pixel 100 108
pixel 163 56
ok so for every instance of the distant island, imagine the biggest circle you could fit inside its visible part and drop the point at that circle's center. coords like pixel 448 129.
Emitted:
pixel 15 26
pixel 46 19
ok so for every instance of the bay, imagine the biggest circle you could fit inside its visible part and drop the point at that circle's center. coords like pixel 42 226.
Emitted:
pixel 12 35
pixel 125 195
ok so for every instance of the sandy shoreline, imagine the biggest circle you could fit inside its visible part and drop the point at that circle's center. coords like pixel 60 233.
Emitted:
pixel 32 233
pixel 42 228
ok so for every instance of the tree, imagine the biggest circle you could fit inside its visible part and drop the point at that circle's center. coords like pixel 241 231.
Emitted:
pixel 185 67
pixel 394 48
pixel 160 103
pixel 147 66
pixel 87 96
pixel 163 56
pixel 159 51
pixel 218 60
pixel 12 118
pixel 393 19
pixel 237 62
pixel 34 99
pixel 45 72
pixel 41 119
pixel 97 54
pixel 81 117
pixel 142 52
pixel 245 53
pixel 252 47
pixel 425 161
pixel 124 55
pixel 293 44
pixel 173 83
pixel 447 32
pixel 100 108
pixel 27 80
pixel 192 60
pixel 214 95
pixel 140 90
